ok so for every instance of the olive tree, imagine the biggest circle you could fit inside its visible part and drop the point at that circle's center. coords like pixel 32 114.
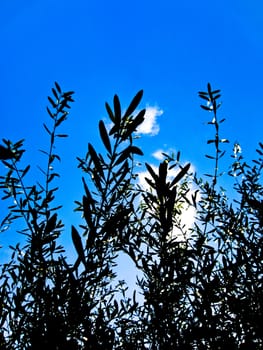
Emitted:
pixel 200 286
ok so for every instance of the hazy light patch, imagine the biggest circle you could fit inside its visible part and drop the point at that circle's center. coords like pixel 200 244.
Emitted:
pixel 150 125
pixel 184 221
pixel 159 154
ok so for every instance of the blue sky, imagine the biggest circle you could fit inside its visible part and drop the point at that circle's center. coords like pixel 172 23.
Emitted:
pixel 168 48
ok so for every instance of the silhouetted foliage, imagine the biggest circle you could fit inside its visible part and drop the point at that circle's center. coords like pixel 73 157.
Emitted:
pixel 200 287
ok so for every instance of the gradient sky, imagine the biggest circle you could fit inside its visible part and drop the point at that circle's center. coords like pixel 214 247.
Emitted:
pixel 170 49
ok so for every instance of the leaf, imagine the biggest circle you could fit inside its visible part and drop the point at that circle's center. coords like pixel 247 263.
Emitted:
pixel 136 150
pixel 55 93
pixel 67 95
pixel 117 108
pixel 181 174
pixel 78 244
pixel 110 113
pixel 87 213
pixel 209 89
pixel 61 135
pixel 58 87
pixel 152 173
pixel 25 171
pixel 95 159
pixel 150 182
pixel 134 104
pixel 194 196
pixel 47 129
pixel 87 191
pixel 204 96
pixel 127 153
pixel 222 154
pixel 210 157
pixel 120 176
pixel 8 165
pixel 52 176
pixel 178 156
pixel 206 108
pixel 54 105
pixel 50 113
pixel 123 155
pixel 104 136
pixel 138 119
pixel 51 223
pixel 61 119
pixel 45 152
pixel 216 92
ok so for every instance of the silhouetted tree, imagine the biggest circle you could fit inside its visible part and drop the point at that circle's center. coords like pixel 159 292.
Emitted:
pixel 201 286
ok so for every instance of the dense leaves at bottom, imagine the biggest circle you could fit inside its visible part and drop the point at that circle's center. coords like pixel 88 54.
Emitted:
pixel 198 286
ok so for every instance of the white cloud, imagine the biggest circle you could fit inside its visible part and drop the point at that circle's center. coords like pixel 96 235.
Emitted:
pixel 158 154
pixel 150 125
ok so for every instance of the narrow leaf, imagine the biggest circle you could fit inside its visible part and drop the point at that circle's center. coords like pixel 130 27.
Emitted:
pixel 50 113
pixel 181 174
pixel 209 89
pixel 134 104
pixel 206 108
pixel 51 223
pixel 150 182
pixel 61 119
pixel 54 105
pixel 61 135
pixel 178 156
pixel 150 170
pixel 87 213
pixel 58 87
pixel 52 176
pixel 95 159
pixel 47 129
pixel 138 119
pixel 25 171
pixel 117 108
pixel 210 157
pixel 78 244
pixel 55 93
pixel 110 113
pixel 104 136
pixel 123 155
pixel 136 150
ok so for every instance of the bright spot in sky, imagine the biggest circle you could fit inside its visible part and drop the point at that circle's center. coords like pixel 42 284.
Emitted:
pixel 158 154
pixel 188 213
pixel 150 125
